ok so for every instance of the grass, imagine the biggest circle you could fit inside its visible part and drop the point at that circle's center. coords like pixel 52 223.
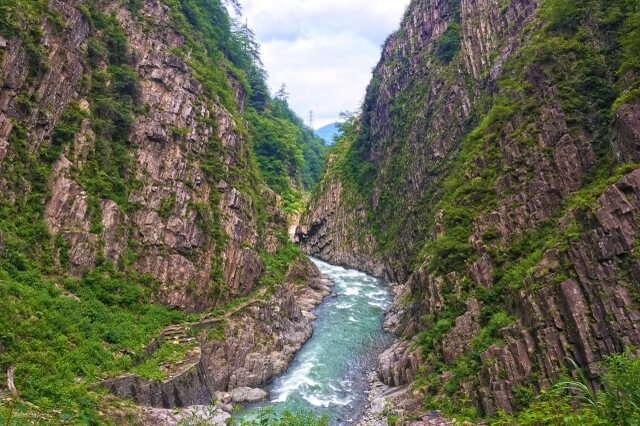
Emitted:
pixel 574 402
pixel 66 336
pixel 167 354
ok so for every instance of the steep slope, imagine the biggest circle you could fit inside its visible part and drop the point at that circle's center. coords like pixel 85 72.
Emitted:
pixel 131 195
pixel 492 171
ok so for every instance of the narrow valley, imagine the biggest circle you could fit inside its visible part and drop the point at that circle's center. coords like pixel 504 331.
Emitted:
pixel 179 247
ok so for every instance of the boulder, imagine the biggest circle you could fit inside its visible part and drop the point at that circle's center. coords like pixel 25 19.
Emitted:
pixel 223 397
pixel 241 395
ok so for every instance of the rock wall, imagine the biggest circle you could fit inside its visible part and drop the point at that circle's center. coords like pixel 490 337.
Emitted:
pixel 583 318
pixel 329 231
pixel 163 226
pixel 412 148
pixel 511 316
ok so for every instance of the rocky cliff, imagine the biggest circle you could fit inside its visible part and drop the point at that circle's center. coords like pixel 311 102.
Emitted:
pixel 166 192
pixel 129 186
pixel 491 169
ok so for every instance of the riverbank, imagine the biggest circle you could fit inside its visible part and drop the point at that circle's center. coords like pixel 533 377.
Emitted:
pixel 390 394
pixel 329 375
pixel 231 357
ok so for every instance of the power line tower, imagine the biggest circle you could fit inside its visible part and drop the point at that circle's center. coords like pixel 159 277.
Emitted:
pixel 311 120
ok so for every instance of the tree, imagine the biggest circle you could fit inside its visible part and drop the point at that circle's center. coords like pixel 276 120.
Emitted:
pixel 282 94
pixel 235 4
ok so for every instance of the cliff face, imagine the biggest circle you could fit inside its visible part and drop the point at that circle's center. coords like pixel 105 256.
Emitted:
pixel 416 111
pixel 488 172
pixel 178 215
pixel 130 193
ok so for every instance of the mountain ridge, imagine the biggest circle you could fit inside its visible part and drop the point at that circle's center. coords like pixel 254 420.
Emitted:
pixel 328 133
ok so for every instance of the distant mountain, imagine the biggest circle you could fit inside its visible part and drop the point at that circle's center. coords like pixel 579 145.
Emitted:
pixel 328 132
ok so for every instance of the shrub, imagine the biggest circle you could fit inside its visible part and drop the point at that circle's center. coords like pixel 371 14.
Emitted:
pixel 449 43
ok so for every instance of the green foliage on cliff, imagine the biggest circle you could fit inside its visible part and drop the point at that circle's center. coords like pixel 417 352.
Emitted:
pixel 277 264
pixel 618 403
pixel 449 43
pixel 21 18
pixel 563 52
pixel 67 334
pixel 579 60
pixel 289 155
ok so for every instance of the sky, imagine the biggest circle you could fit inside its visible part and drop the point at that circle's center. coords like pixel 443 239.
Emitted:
pixel 324 50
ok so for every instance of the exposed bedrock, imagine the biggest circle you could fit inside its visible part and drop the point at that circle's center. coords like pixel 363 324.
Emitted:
pixel 237 352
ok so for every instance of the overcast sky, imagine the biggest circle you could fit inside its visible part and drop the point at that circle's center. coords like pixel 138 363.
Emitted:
pixel 324 50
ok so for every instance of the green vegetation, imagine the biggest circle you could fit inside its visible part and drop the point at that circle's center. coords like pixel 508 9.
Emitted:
pixel 21 18
pixel 166 206
pixel 65 335
pixel 618 403
pixel 587 52
pixel 113 94
pixel 449 43
pixel 168 353
pixel 276 265
pixel 290 156
pixel 268 417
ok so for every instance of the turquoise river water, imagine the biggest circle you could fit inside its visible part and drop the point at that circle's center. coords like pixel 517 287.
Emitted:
pixel 329 374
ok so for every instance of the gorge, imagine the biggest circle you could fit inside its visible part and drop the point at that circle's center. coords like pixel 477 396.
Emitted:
pixel 489 186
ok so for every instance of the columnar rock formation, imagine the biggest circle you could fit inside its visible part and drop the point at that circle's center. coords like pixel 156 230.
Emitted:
pixel 490 188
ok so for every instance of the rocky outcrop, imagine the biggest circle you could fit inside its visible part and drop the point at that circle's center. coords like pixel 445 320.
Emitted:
pixel 54 89
pixel 328 231
pixel 626 139
pixel 398 364
pixel 186 385
pixel 386 403
pixel 259 343
pixel 582 318
pixel 458 340
pixel 237 352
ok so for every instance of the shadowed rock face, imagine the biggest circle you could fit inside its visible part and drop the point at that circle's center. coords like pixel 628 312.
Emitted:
pixel 579 300
pixel 331 233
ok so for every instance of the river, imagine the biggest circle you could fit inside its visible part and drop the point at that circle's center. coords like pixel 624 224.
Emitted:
pixel 329 374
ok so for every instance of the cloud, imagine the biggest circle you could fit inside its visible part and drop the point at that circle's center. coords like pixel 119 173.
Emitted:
pixel 323 50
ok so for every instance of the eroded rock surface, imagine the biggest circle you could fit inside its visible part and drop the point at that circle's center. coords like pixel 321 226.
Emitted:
pixel 162 229
pixel 236 353
pixel 576 298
